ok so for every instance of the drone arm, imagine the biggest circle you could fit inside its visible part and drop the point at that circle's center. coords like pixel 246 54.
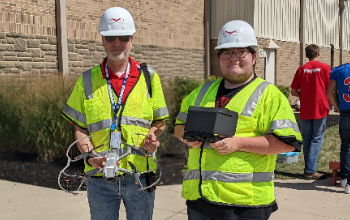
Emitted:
pixel 123 156
pixel 126 171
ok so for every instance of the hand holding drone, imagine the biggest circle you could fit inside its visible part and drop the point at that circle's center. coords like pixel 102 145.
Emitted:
pixel 111 169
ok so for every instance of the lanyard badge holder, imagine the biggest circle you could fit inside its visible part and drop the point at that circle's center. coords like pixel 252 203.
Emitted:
pixel 115 136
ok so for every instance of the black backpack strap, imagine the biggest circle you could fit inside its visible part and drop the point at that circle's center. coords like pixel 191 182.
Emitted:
pixel 145 71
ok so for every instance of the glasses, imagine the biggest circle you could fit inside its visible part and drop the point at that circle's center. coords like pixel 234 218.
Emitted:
pixel 238 54
pixel 121 38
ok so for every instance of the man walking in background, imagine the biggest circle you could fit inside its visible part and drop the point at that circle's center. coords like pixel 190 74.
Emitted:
pixel 310 85
pixel 340 79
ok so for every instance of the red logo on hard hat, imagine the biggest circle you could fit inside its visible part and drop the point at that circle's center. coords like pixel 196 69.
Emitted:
pixel 231 32
pixel 116 20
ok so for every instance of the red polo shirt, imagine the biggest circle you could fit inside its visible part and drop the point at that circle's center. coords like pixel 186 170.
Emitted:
pixel 117 81
pixel 312 78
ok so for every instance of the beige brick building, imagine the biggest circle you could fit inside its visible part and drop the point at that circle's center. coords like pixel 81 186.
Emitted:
pixel 285 24
pixel 172 36
pixel 169 37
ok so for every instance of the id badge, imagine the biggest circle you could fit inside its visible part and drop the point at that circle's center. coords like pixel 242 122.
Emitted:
pixel 115 139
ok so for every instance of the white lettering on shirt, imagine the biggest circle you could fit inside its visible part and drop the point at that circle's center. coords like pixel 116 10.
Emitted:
pixel 312 71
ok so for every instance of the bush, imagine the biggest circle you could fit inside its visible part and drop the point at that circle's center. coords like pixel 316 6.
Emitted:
pixel 9 123
pixel 180 88
pixel 31 120
pixel 285 90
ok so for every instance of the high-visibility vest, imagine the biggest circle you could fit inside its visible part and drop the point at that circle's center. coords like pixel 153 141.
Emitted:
pixel 89 107
pixel 239 178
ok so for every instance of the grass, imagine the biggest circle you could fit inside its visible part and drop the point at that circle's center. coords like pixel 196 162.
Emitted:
pixel 330 151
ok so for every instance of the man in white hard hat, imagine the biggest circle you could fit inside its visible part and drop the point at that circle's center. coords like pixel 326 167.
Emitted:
pixel 233 177
pixel 114 102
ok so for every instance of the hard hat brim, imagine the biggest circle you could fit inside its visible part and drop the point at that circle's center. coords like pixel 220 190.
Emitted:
pixel 235 45
pixel 117 33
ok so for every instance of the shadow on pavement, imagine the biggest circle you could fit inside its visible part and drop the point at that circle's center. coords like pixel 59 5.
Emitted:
pixel 318 185
pixel 290 175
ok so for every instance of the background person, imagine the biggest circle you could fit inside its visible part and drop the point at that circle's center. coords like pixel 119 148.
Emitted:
pixel 340 79
pixel 112 103
pixel 233 178
pixel 310 85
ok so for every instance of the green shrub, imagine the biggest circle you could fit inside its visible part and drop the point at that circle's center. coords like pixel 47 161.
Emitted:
pixel 9 123
pixel 180 88
pixel 31 120
pixel 285 90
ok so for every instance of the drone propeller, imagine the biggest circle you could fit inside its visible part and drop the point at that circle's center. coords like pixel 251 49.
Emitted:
pixel 138 152
pixel 131 149
pixel 136 173
pixel 89 153
pixel 93 172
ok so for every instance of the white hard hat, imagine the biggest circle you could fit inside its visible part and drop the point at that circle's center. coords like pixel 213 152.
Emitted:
pixel 116 21
pixel 236 34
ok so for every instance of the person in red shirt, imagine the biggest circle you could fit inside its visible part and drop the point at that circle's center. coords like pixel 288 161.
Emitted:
pixel 310 85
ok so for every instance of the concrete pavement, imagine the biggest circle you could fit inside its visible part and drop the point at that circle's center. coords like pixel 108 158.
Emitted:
pixel 297 200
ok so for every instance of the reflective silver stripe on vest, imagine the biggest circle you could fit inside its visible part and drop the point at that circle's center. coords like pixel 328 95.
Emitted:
pixel 182 116
pixel 202 92
pixel 280 124
pixel 191 175
pixel 254 99
pixel 87 82
pixel 161 112
pixel 99 125
pixel 75 114
pixel 151 73
pixel 229 177
pixel 126 120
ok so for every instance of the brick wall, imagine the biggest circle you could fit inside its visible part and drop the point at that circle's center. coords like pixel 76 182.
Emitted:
pixel 167 61
pixel 170 23
pixel 27 55
pixel 169 37
pixel 29 17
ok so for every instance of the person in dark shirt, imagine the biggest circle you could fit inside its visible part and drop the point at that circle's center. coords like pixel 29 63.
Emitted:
pixel 233 177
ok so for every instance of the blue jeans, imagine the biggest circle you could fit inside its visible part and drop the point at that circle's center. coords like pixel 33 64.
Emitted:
pixel 104 198
pixel 344 132
pixel 312 132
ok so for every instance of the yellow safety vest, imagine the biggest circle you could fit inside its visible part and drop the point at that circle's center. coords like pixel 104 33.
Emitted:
pixel 89 107
pixel 239 178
